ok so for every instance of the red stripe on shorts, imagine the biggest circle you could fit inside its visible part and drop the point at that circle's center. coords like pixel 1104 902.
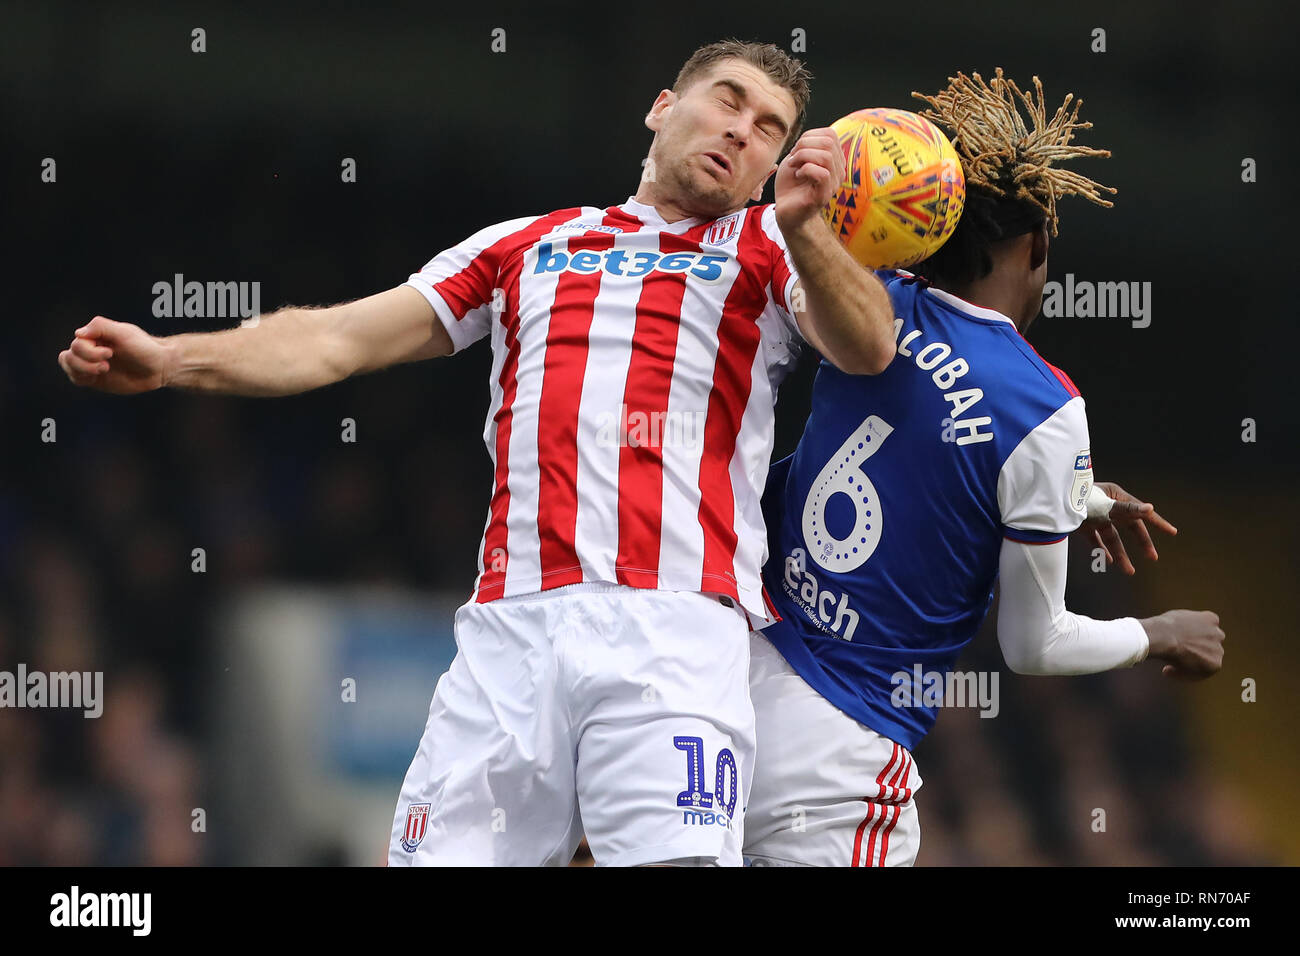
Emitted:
pixel 871 807
pixel 904 796
pixel 893 785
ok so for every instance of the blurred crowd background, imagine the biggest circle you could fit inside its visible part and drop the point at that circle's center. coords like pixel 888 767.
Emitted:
pixel 225 166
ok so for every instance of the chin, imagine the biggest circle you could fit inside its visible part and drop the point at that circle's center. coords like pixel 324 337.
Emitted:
pixel 719 200
pixel 702 193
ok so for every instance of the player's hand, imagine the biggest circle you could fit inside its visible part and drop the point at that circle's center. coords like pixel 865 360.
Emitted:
pixel 1132 516
pixel 114 357
pixel 1191 642
pixel 807 178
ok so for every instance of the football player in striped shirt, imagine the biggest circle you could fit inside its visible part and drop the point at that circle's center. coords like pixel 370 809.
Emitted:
pixel 601 678
pixel 911 493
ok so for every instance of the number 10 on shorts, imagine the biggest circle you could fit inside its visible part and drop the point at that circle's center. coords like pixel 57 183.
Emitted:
pixel 725 779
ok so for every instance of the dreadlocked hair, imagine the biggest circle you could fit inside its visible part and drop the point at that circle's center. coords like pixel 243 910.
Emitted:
pixel 1011 183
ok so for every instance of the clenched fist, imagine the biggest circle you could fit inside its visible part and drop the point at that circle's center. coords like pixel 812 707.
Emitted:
pixel 808 178
pixel 115 357
pixel 1190 642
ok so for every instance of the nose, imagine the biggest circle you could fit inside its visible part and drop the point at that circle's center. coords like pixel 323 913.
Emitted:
pixel 740 130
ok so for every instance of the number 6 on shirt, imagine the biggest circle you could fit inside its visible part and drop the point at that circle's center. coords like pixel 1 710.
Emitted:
pixel 843 474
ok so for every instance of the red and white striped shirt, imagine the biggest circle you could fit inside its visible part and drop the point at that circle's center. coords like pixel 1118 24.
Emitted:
pixel 635 366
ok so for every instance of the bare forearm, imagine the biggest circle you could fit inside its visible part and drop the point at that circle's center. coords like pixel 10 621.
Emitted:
pixel 289 351
pixel 283 353
pixel 846 308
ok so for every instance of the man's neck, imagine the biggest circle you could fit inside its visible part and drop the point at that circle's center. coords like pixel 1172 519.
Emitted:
pixel 987 295
pixel 668 210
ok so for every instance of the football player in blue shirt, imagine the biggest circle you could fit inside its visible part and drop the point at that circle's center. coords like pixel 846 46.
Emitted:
pixel 913 491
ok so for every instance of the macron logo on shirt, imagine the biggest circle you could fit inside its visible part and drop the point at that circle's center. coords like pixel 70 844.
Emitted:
pixel 618 262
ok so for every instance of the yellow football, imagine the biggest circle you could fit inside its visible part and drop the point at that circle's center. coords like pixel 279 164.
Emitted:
pixel 903 189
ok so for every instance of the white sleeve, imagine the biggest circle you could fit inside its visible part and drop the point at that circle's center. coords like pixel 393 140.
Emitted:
pixel 1044 483
pixel 783 276
pixel 461 282
pixel 1039 636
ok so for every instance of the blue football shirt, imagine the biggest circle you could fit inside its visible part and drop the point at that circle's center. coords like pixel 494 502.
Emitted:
pixel 885 525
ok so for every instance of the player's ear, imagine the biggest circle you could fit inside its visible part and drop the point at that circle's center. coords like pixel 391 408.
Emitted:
pixel 1038 250
pixel 654 120
pixel 757 194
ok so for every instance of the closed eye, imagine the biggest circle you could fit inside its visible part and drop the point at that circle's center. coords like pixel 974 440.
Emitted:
pixel 767 129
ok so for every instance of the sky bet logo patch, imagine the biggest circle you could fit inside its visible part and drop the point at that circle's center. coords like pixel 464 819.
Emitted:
pixel 1082 481
pixel 619 262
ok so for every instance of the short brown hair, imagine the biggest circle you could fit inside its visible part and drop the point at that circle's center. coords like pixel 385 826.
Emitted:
pixel 788 73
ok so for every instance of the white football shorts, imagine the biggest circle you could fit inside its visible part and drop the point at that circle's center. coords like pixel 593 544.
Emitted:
pixel 827 790
pixel 620 712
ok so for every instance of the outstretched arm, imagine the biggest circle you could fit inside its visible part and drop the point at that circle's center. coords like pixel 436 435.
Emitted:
pixel 288 351
pixel 1039 636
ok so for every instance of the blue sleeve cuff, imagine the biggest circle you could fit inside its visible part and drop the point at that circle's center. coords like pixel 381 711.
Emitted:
pixel 1034 537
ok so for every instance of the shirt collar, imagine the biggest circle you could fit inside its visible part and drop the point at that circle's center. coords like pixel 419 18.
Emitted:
pixel 650 216
pixel 970 308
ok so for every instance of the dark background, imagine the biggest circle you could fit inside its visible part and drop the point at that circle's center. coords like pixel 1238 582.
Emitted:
pixel 225 165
